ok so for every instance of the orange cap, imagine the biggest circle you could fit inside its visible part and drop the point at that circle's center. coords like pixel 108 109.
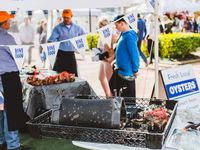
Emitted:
pixel 5 16
pixel 67 13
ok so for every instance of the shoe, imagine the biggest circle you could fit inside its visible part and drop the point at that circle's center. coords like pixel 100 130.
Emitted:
pixel 3 146
pixel 146 64
pixel 21 148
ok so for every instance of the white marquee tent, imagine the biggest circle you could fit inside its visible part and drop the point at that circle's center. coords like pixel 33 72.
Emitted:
pixel 60 4
pixel 178 5
pixel 167 6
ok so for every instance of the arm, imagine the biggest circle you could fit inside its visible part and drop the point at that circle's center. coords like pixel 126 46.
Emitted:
pixel 110 59
pixel 81 31
pixel 54 36
pixel 11 42
pixel 133 52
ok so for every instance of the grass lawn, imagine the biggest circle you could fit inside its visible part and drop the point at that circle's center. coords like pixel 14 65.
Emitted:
pixel 48 144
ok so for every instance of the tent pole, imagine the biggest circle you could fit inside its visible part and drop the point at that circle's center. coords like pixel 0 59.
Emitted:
pixel 156 49
pixel 90 20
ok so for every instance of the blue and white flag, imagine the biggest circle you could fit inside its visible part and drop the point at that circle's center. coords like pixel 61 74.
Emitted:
pixel 131 19
pixel 51 50
pixel 80 43
pixel 150 3
pixel 1 101
pixel 19 54
pixel 106 33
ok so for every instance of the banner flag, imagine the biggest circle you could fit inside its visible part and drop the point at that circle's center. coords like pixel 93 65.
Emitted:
pixel 51 50
pixel 80 43
pixel 106 34
pixel 19 54
pixel 150 4
pixel 131 19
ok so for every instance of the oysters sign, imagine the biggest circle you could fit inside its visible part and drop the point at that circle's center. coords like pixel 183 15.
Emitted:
pixel 180 84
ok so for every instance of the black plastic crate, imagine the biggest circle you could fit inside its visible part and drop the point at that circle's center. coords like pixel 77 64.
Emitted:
pixel 41 127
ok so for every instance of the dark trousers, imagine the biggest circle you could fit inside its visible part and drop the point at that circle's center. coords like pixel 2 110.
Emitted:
pixel 124 88
pixel 150 45
pixel 65 61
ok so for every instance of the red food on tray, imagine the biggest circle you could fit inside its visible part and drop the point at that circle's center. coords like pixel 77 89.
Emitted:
pixel 57 79
pixel 157 118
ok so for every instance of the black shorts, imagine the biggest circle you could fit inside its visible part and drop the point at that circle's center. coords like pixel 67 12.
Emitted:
pixel 124 88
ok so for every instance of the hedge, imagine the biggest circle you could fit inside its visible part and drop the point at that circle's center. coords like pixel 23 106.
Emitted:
pixel 178 45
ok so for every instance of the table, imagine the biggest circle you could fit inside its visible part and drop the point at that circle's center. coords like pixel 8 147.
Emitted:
pixel 36 97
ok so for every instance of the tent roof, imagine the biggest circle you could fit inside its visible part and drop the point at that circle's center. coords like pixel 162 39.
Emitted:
pixel 60 4
pixel 178 5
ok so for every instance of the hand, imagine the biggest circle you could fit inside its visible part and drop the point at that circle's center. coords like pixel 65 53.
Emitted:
pixel 106 47
pixel 108 60
pixel 136 74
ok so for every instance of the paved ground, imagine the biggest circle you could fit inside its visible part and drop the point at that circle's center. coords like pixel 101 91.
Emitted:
pixel 144 83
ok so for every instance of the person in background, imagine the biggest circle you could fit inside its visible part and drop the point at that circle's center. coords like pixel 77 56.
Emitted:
pixel 127 59
pixel 27 36
pixel 43 40
pixel 106 69
pixel 40 28
pixel 65 60
pixel 150 37
pixel 198 22
pixel 142 31
pixel 12 117
pixel 195 25
pixel 189 24
pixel 167 24
pixel 176 24
pixel 43 34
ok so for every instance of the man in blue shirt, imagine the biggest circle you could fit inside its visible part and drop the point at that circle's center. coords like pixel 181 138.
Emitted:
pixel 12 117
pixel 127 59
pixel 65 60
pixel 142 32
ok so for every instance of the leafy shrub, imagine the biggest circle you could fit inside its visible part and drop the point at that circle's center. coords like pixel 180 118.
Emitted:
pixel 178 45
pixel 92 40
pixel 144 48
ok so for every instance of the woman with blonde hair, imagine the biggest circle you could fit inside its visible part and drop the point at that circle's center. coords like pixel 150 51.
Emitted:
pixel 106 70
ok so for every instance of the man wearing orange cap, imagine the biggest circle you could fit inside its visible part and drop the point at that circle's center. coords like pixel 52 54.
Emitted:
pixel 65 60
pixel 12 116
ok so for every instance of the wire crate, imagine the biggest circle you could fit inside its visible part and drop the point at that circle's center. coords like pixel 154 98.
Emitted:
pixel 41 127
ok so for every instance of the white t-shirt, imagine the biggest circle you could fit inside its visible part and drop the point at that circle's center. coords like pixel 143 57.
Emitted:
pixel 26 33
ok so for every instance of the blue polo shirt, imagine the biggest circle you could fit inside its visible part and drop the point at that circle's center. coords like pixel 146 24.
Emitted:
pixel 7 62
pixel 62 32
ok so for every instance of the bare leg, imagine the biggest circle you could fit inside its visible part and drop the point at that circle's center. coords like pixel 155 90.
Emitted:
pixel 104 81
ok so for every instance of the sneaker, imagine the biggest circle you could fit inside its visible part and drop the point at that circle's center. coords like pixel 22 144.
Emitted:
pixel 3 146
pixel 21 148
pixel 146 64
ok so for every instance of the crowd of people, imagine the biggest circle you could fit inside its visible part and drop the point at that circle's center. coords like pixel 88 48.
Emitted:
pixel 117 73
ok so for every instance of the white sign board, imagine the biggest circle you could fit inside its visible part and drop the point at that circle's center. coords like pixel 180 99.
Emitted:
pixel 180 84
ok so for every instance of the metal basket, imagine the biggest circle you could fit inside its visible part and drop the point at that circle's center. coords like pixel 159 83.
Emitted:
pixel 41 127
